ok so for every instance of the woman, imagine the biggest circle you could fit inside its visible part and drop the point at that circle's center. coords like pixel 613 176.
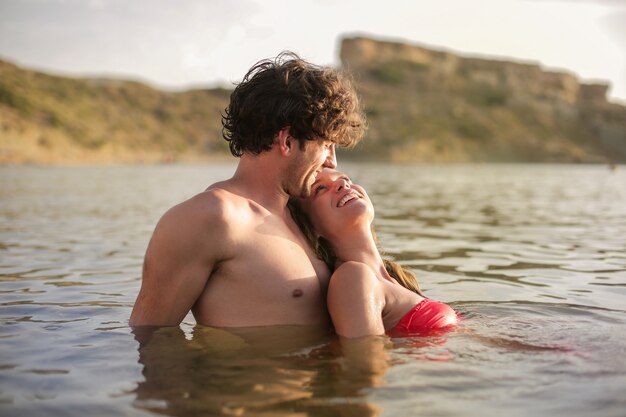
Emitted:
pixel 367 295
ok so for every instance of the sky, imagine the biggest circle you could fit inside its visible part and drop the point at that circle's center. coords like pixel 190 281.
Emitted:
pixel 179 44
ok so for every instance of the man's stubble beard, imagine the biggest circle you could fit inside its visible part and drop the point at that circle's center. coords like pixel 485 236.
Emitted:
pixel 297 183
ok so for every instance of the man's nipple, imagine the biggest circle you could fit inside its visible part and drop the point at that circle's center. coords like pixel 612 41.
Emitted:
pixel 297 293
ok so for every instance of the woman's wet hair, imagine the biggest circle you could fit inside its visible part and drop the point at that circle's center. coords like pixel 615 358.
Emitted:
pixel 314 102
pixel 324 250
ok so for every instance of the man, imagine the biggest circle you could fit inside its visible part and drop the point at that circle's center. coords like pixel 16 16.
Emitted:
pixel 233 254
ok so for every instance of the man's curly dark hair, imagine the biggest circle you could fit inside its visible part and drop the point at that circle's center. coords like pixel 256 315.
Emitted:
pixel 315 103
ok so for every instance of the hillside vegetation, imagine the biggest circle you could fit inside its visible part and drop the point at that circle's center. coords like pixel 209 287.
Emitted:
pixel 52 120
pixel 422 105
pixel 426 105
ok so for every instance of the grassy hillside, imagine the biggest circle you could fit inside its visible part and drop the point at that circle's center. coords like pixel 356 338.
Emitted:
pixel 422 105
pixel 48 119
pixel 426 105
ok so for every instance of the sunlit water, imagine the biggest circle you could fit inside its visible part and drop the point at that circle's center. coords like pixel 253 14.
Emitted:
pixel 533 256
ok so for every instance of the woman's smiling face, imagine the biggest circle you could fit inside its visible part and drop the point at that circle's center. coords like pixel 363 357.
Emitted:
pixel 336 203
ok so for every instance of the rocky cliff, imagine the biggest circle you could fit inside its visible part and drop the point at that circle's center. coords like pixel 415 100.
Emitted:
pixel 422 105
pixel 428 105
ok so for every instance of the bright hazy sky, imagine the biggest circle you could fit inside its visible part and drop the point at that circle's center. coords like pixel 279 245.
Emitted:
pixel 182 43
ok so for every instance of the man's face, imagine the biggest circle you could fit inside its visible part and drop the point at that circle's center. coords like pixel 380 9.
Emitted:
pixel 306 164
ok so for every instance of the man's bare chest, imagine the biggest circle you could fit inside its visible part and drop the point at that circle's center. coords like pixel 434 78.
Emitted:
pixel 279 259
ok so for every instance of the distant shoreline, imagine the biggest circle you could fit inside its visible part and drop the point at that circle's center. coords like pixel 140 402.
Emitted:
pixel 227 159
pixel 422 106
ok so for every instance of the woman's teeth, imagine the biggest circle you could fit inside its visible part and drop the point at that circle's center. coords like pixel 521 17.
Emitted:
pixel 346 198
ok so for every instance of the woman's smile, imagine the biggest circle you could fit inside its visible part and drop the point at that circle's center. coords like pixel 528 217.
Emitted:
pixel 350 196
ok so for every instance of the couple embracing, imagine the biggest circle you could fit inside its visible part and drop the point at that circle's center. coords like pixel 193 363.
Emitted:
pixel 288 240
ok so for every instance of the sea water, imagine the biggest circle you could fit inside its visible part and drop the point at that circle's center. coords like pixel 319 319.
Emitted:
pixel 533 257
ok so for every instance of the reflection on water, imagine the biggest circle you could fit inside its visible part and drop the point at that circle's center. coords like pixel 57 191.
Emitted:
pixel 276 371
pixel 533 256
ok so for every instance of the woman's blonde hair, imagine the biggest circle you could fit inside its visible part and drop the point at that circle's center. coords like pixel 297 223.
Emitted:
pixel 325 252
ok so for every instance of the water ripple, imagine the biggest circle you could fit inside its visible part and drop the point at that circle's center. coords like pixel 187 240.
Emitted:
pixel 532 256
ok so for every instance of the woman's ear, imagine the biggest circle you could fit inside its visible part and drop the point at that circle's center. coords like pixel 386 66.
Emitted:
pixel 285 141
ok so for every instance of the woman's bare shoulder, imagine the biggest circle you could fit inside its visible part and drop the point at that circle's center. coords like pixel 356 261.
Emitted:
pixel 355 275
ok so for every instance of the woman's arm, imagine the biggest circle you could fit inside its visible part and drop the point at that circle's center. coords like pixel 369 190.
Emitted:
pixel 356 301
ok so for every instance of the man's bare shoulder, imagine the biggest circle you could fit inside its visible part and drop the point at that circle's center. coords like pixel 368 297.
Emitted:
pixel 190 240
pixel 213 209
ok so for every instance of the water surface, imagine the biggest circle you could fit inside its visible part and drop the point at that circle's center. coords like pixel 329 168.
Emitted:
pixel 534 257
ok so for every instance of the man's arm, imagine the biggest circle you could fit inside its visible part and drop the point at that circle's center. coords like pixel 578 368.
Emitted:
pixel 187 243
